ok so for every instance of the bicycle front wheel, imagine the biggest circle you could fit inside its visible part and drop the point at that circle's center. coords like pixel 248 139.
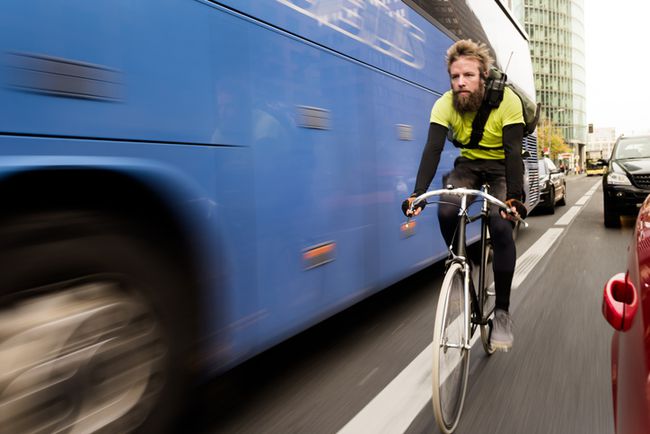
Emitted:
pixel 450 353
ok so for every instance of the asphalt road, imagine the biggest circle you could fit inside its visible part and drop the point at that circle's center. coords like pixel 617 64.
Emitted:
pixel 555 380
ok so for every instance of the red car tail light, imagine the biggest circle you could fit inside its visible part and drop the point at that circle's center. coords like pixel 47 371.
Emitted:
pixel 620 302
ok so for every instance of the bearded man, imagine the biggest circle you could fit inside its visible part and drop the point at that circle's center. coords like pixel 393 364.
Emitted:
pixel 496 161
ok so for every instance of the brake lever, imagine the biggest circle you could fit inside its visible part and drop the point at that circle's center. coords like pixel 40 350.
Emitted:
pixel 517 218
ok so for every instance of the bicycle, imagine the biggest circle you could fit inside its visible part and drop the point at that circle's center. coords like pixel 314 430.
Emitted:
pixel 462 307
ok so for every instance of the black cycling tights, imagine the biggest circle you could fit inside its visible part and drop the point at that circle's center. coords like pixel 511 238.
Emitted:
pixel 505 254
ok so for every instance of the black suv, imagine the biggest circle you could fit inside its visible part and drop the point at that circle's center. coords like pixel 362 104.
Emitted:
pixel 626 183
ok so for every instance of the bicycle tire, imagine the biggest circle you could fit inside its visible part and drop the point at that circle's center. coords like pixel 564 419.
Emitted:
pixel 487 296
pixel 450 364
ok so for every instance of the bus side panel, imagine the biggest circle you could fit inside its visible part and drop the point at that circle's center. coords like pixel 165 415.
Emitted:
pixel 313 171
pixel 400 139
pixel 387 35
pixel 121 69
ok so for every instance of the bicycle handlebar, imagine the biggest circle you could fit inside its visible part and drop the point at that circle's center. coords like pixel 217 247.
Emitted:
pixel 466 192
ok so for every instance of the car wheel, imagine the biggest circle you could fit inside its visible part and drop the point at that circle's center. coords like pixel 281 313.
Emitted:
pixel 91 326
pixel 550 209
pixel 562 201
pixel 611 218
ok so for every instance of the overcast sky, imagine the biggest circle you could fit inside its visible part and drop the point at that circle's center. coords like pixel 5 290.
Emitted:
pixel 617 41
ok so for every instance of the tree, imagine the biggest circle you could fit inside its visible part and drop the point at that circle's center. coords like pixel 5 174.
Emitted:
pixel 550 141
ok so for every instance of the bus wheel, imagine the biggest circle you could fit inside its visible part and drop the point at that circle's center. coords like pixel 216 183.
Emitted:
pixel 88 336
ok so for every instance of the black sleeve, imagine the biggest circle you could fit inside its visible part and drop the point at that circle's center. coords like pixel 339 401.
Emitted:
pixel 513 136
pixel 430 158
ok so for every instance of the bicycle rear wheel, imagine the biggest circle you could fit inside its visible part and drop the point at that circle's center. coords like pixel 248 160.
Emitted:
pixel 450 355
pixel 487 296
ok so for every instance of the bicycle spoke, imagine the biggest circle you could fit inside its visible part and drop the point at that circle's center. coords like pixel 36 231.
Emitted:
pixel 451 354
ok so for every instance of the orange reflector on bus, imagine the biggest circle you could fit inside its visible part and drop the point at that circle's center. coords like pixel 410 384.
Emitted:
pixel 319 255
pixel 408 228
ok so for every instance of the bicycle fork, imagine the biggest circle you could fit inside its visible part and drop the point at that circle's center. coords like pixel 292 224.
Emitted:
pixel 462 214
pixel 467 324
pixel 465 341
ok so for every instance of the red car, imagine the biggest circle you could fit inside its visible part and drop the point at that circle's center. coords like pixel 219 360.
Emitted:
pixel 626 306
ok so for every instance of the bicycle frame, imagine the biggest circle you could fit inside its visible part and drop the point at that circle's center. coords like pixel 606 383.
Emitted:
pixel 459 253
pixel 470 292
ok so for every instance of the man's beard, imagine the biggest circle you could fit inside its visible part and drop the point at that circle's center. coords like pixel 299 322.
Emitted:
pixel 469 103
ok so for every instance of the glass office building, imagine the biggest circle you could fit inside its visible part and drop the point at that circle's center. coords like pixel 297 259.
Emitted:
pixel 556 32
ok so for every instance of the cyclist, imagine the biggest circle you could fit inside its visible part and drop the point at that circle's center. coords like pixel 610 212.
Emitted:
pixel 497 161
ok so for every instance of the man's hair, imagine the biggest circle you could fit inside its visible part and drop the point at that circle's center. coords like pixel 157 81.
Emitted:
pixel 471 49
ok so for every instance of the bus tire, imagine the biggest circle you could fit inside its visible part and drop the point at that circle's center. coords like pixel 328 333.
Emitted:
pixel 95 331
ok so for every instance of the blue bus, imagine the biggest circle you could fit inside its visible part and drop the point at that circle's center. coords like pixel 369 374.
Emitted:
pixel 185 183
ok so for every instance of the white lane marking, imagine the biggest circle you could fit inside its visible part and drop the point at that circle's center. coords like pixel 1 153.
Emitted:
pixel 397 405
pixel 568 216
pixel 575 209
pixel 592 189
pixel 527 261
pixel 583 200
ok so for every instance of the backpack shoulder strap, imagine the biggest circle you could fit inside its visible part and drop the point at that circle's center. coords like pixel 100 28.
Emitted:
pixel 478 127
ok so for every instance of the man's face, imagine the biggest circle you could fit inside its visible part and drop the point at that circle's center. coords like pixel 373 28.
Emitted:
pixel 466 84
